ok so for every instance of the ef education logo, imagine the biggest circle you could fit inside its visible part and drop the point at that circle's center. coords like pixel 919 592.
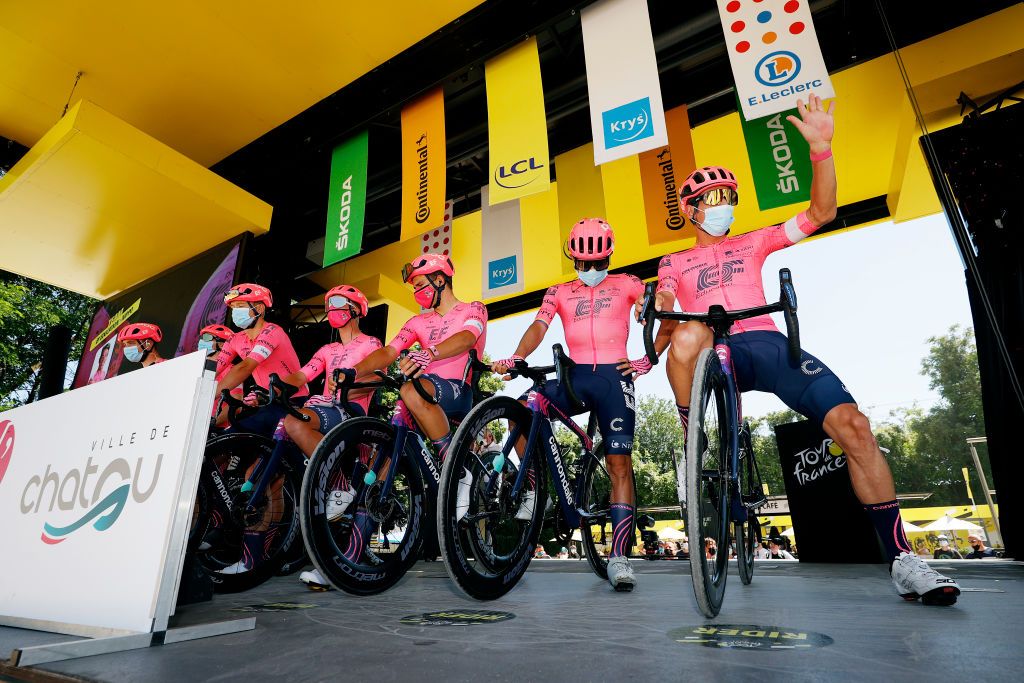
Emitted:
pixel 777 68
pixel 627 123
pixel 512 176
pixel 6 446
pixel 502 272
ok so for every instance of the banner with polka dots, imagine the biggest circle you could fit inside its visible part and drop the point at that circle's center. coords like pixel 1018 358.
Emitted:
pixel 774 53
pixel 439 240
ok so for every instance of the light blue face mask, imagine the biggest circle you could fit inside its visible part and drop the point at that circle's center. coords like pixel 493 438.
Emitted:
pixel 241 318
pixel 592 278
pixel 206 346
pixel 133 353
pixel 717 220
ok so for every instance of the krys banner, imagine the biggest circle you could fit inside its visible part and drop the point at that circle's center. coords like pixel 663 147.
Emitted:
pixel 774 54
pixel 517 125
pixel 780 160
pixel 423 164
pixel 346 203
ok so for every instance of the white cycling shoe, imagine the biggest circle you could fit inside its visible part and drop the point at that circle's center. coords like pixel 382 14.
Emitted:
pixel 462 497
pixel 914 579
pixel 620 574
pixel 525 511
pixel 239 567
pixel 337 502
pixel 315 580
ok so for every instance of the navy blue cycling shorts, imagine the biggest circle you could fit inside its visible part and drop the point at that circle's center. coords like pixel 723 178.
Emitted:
pixel 761 362
pixel 454 397
pixel 607 393
pixel 332 415
pixel 264 420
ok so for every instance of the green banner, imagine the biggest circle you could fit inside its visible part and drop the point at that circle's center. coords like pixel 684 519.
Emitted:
pixel 346 204
pixel 780 160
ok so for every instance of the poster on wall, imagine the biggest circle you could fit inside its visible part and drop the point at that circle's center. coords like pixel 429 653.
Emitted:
pixel 346 203
pixel 424 162
pixel 181 301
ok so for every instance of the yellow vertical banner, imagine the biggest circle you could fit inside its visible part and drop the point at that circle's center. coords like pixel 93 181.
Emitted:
pixel 424 161
pixel 580 192
pixel 661 172
pixel 517 124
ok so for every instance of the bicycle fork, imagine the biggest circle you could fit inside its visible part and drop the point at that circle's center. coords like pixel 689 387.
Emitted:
pixel 737 511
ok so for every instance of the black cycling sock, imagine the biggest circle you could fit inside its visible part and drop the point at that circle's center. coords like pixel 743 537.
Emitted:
pixel 622 528
pixel 889 525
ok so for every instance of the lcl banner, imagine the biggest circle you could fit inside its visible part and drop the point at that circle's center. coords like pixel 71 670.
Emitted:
pixel 661 171
pixel 346 202
pixel 779 159
pixel 502 254
pixel 423 164
pixel 626 112
pixel 517 125
pixel 95 513
pixel 774 53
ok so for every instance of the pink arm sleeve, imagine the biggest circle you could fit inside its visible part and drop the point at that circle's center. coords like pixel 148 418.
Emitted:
pixel 668 280
pixel 315 366
pixel 406 337
pixel 476 319
pixel 549 306
pixel 786 234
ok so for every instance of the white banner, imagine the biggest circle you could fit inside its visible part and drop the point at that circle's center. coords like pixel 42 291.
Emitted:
pixel 626 113
pixel 774 54
pixel 502 253
pixel 91 487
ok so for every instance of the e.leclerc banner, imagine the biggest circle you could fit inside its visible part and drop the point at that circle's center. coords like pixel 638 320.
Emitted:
pixel 774 54
pixel 780 160
pixel 346 203
pixel 661 171
pixel 423 164
pixel 626 112
pixel 517 125
pixel 502 253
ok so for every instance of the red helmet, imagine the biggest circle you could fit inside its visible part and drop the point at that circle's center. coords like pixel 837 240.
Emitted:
pixel 140 331
pixel 704 179
pixel 350 293
pixel 592 239
pixel 249 292
pixel 427 264
pixel 218 331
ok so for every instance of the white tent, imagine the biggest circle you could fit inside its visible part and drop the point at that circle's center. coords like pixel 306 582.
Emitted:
pixel 911 528
pixel 789 532
pixel 947 523
pixel 670 534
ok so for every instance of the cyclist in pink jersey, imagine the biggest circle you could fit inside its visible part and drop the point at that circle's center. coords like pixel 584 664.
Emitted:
pixel 264 349
pixel 595 312
pixel 445 333
pixel 138 343
pixel 211 340
pixel 727 271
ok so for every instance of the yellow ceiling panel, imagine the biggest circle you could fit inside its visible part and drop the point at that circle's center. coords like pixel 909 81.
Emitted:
pixel 204 77
pixel 97 206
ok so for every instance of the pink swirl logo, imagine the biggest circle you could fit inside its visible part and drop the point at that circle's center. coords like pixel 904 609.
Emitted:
pixel 6 446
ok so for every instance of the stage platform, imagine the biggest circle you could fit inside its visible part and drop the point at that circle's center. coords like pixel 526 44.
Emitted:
pixel 794 623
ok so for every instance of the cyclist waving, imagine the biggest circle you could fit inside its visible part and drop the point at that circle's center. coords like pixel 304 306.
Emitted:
pixel 727 271
pixel 595 312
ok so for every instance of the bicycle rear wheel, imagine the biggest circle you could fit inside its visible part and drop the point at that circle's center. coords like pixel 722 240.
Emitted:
pixel 707 483
pixel 748 531
pixel 485 546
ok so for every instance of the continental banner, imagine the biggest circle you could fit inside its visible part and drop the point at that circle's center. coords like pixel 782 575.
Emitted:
pixel 779 159
pixel 626 113
pixel 423 164
pixel 580 193
pixel 346 203
pixel 661 171
pixel 502 254
pixel 774 54
pixel 517 124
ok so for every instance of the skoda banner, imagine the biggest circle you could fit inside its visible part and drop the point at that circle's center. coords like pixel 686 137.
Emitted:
pixel 346 203
pixel 779 159
pixel 626 113
pixel 517 125
pixel 95 496
pixel 423 164
pixel 774 54
pixel 661 171
pixel 502 255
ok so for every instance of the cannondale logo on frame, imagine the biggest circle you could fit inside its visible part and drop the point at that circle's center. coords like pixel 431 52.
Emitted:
pixel 6 446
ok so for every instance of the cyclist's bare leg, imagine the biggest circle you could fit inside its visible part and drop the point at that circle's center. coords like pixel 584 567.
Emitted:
pixel 869 471
pixel 429 417
pixel 620 471
pixel 306 435
pixel 688 340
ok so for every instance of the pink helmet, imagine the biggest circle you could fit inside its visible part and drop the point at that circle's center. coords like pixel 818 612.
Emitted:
pixel 591 239
pixel 140 331
pixel 427 264
pixel 350 293
pixel 219 331
pixel 249 292
pixel 704 179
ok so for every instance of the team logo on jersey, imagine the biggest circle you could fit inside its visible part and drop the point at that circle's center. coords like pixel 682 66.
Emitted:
pixel 710 276
pixel 584 308
pixel 805 367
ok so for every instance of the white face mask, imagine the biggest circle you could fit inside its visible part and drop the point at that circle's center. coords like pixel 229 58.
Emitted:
pixel 717 220
pixel 241 318
pixel 592 278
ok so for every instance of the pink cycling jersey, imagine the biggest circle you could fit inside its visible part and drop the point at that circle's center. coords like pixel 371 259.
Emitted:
pixel 271 349
pixel 596 319
pixel 337 355
pixel 729 273
pixel 430 329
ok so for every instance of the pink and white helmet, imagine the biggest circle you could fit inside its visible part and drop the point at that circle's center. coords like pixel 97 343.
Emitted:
pixel 704 179
pixel 592 239
pixel 426 265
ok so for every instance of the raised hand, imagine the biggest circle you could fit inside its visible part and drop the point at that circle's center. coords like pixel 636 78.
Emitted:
pixel 815 123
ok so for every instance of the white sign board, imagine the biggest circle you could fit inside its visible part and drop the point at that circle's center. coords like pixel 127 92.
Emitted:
pixel 91 485
pixel 774 54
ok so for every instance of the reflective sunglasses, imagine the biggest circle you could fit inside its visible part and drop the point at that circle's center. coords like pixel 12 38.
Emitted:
pixel 602 264
pixel 231 295
pixel 336 302
pixel 717 196
pixel 208 337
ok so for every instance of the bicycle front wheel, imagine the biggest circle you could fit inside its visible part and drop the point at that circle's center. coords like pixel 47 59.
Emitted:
pixel 707 483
